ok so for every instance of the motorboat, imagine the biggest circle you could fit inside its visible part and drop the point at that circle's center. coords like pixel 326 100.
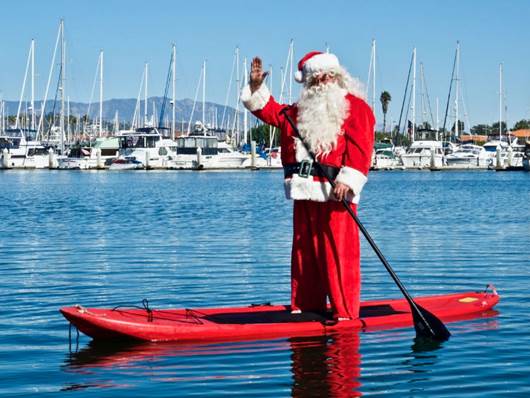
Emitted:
pixel 201 151
pixel 96 155
pixel 125 163
pixel 384 155
pixel 20 149
pixel 494 146
pixel 385 159
pixel 468 156
pixel 147 146
pixel 423 154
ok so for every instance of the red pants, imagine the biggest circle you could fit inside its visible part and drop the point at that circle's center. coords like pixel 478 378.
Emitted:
pixel 325 260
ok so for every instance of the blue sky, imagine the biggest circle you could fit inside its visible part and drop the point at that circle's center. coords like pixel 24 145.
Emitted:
pixel 134 32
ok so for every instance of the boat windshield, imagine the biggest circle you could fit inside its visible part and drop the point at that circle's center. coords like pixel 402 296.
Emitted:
pixel 9 143
pixel 139 141
pixel 189 145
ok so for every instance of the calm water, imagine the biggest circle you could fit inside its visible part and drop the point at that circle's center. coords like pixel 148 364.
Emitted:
pixel 223 239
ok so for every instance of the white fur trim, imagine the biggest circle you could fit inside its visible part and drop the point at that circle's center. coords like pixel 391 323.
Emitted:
pixel 300 188
pixel 321 63
pixel 352 178
pixel 301 152
pixel 256 100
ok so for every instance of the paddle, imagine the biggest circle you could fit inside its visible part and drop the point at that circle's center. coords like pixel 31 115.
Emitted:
pixel 426 324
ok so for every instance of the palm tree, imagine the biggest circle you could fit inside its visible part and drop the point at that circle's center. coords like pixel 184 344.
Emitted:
pixel 385 100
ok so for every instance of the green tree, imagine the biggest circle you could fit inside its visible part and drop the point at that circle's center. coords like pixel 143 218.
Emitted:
pixel 522 125
pixel 261 134
pixel 460 126
pixel 385 101
pixel 425 126
pixel 481 129
pixel 495 128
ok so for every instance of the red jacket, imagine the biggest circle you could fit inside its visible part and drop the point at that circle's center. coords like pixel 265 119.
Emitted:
pixel 352 153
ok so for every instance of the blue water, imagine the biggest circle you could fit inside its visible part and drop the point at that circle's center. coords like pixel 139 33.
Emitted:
pixel 184 239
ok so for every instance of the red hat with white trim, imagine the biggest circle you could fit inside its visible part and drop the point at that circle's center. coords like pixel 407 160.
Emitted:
pixel 316 62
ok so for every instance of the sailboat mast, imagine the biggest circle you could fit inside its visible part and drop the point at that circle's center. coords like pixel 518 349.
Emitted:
pixel 174 91
pixel 437 119
pixel 373 75
pixel 291 73
pixel 68 132
pixel 28 63
pixel 238 87
pixel 204 94
pixel 500 101
pixel 101 93
pixel 33 84
pixel 146 75
pixel 414 94
pixel 63 59
pixel 245 113
pixel 457 89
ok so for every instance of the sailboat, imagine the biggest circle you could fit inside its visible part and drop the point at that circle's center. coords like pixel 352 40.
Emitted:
pixel 421 153
pixel 200 149
pixel 19 147
pixel 145 147
pixel 98 153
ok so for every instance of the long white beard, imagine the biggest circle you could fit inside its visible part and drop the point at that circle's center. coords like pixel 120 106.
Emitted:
pixel 321 113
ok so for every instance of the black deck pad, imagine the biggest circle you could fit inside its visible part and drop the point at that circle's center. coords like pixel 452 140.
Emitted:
pixel 285 316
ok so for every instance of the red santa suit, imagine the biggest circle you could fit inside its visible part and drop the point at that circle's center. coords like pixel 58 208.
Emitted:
pixel 325 260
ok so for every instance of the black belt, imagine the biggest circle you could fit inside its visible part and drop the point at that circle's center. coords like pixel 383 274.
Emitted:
pixel 307 168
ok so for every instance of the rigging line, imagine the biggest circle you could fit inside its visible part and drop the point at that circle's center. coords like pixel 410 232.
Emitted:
pixel 462 92
pixel 194 102
pixel 136 115
pixel 43 103
pixel 91 95
pixel 369 73
pixel 449 95
pixel 55 102
pixel 228 90
pixel 428 99
pixel 284 74
pixel 30 54
pixel 168 82
pixel 407 114
pixel 405 95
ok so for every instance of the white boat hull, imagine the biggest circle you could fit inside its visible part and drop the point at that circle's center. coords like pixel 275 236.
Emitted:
pixel 411 161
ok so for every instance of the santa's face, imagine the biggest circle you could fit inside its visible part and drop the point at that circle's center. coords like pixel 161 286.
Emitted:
pixel 322 109
pixel 322 79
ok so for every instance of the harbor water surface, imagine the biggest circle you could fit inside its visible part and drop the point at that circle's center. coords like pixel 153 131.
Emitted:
pixel 188 239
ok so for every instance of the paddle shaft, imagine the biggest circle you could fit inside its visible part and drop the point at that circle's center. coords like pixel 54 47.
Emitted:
pixel 417 313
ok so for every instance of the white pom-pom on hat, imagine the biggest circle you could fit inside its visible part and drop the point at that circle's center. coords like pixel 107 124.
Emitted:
pixel 316 62
pixel 298 76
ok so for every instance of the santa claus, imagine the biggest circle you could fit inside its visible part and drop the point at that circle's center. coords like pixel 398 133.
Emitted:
pixel 337 125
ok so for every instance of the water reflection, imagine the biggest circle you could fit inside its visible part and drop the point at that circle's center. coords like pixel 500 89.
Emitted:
pixel 327 365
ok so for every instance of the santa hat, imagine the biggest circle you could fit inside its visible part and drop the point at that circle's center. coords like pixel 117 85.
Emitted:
pixel 315 62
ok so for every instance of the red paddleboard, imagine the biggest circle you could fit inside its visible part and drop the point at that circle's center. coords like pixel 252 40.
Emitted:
pixel 263 321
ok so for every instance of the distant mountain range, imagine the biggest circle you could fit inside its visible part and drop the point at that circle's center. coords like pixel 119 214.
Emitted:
pixel 125 108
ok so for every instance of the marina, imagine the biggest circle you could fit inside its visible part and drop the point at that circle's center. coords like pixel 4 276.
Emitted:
pixel 200 199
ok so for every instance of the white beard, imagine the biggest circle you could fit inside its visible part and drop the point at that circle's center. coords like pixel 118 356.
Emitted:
pixel 322 110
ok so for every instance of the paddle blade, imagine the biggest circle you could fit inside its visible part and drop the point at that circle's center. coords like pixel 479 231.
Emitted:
pixel 428 326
